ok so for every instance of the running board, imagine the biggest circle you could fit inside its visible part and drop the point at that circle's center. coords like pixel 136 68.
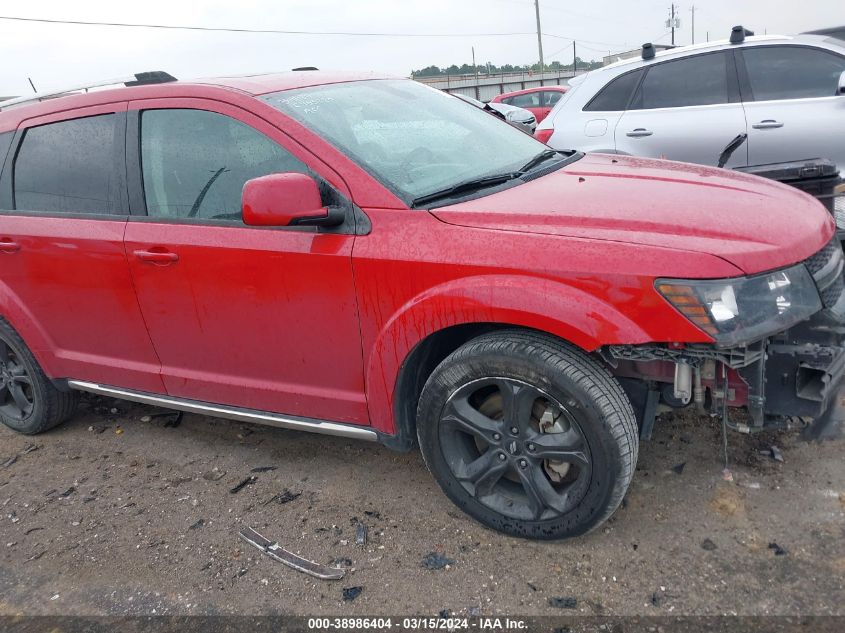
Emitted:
pixel 232 413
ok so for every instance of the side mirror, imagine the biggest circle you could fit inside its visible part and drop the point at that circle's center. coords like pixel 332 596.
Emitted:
pixel 289 199
pixel 841 90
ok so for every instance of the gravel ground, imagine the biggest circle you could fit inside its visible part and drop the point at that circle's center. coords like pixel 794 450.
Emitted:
pixel 117 513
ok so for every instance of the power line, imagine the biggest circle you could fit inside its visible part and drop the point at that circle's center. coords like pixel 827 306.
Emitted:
pixel 245 30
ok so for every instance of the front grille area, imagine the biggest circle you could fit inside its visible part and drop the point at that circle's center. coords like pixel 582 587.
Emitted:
pixel 826 268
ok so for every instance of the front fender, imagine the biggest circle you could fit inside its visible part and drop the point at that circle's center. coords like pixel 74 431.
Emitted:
pixel 541 304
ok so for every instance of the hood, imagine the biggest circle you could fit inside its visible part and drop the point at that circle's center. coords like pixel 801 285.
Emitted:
pixel 753 223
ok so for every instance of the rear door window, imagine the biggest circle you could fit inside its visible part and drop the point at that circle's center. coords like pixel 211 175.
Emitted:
pixel 69 167
pixel 792 72
pixel 614 96
pixel 691 81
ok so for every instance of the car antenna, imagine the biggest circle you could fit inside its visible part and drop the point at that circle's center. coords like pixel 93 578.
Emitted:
pixel 648 50
pixel 739 33
pixel 29 79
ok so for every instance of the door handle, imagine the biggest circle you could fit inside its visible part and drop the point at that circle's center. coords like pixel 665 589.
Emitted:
pixel 639 132
pixel 159 257
pixel 767 124
pixel 9 246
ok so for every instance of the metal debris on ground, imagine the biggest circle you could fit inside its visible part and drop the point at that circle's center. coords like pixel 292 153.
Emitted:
pixel 246 482
pixel 276 552
pixel 361 534
pixel 68 492
pixel 779 551
pixel 563 603
pixel 285 496
pixel 679 468
pixel 774 452
pixel 263 469
pixel 350 593
pixel 435 561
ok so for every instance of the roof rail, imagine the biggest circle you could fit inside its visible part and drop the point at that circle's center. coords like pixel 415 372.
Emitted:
pixel 739 33
pixel 138 79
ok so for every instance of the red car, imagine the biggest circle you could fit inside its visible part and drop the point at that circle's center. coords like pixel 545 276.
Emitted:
pixel 539 101
pixel 367 257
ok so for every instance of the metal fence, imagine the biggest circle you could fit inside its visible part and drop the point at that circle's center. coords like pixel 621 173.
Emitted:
pixel 485 87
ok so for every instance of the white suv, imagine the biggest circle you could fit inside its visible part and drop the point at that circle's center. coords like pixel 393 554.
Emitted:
pixel 786 93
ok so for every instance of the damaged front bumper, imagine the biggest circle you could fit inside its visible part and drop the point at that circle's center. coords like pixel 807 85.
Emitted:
pixel 797 373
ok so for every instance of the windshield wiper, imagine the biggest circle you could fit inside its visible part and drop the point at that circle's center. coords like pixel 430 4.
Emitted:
pixel 466 187
pixel 539 158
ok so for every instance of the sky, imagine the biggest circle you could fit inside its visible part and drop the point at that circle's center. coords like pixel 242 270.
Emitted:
pixel 56 55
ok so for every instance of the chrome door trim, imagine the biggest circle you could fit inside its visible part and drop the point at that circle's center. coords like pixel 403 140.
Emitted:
pixel 232 413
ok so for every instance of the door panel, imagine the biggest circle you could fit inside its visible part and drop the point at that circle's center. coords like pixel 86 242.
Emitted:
pixel 676 133
pixel 780 131
pixel 65 268
pixel 260 318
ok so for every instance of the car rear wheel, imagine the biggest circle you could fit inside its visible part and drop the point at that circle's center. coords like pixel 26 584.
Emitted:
pixel 29 402
pixel 528 435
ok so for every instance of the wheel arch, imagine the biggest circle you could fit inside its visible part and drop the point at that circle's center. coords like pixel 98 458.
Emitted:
pixel 426 329
pixel 20 319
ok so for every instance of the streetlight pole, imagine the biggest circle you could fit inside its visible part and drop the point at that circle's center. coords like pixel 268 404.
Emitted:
pixel 539 34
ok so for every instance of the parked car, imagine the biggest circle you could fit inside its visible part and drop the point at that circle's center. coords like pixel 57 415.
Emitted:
pixel 520 118
pixel 786 93
pixel 362 256
pixel 539 101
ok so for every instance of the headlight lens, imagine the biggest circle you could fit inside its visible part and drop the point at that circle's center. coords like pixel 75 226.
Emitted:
pixel 745 309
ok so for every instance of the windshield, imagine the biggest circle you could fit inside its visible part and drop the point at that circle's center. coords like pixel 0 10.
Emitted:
pixel 414 139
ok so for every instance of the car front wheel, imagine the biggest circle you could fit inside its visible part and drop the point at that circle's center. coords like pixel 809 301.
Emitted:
pixel 528 435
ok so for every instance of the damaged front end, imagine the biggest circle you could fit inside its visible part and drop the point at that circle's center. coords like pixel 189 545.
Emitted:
pixel 788 374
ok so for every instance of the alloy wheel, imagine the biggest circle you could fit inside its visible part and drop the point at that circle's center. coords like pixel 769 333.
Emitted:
pixel 515 448
pixel 16 390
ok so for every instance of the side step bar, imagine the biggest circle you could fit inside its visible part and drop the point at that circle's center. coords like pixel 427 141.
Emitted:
pixel 232 413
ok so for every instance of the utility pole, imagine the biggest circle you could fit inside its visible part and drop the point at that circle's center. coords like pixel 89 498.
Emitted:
pixel 474 67
pixel 574 59
pixel 539 35
pixel 693 23
pixel 673 24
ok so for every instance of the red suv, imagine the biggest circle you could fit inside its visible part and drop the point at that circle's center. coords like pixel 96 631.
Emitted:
pixel 367 257
pixel 538 101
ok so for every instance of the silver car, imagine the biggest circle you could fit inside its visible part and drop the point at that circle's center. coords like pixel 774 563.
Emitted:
pixel 520 118
pixel 786 93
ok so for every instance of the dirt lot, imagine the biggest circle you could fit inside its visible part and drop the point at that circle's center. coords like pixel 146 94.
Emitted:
pixel 114 515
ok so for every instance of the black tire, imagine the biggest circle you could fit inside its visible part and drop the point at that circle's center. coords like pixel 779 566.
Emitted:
pixel 29 402
pixel 515 375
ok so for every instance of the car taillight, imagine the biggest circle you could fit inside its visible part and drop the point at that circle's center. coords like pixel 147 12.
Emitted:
pixel 543 135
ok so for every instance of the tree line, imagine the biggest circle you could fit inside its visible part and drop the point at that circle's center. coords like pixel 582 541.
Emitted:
pixel 492 69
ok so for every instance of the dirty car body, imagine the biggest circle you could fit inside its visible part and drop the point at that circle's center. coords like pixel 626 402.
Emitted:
pixel 367 257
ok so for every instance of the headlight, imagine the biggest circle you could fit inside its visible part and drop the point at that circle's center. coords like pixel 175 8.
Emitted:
pixel 745 309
